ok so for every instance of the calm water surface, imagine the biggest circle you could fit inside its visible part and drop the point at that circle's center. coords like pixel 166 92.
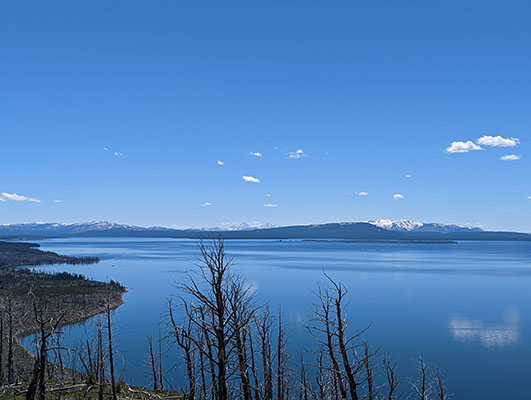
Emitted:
pixel 465 306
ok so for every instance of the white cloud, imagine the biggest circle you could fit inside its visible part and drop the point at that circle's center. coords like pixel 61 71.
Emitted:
pixel 510 157
pixel 408 176
pixel 207 204
pixel 398 196
pixel 251 179
pixel 270 205
pixel 118 154
pixel 267 195
pixel 106 148
pixel 221 162
pixel 498 141
pixel 528 197
pixel 462 147
pixel 255 154
pixel 58 201
pixel 16 197
pixel 362 193
pixel 297 154
pixel 2 199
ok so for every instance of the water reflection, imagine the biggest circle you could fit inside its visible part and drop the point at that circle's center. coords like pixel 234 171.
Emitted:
pixel 488 335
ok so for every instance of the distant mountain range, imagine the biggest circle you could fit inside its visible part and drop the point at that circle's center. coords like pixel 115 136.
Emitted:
pixel 380 229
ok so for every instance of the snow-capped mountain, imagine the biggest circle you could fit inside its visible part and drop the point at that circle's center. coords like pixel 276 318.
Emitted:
pixel 62 229
pixel 406 225
pixel 241 226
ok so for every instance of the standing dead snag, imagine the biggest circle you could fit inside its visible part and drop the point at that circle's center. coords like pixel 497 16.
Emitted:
pixel 111 354
pixel 241 312
pixel 329 321
pixel 422 386
pixel 219 304
pixel 368 365
pixel 48 322
pixel 389 367
pixel 282 359
pixel 440 387
pixel 263 326
pixel 183 337
pixel 153 363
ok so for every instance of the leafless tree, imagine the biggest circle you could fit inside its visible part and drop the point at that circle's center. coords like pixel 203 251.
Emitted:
pixel 110 349
pixel 264 325
pixel 153 363
pixel 183 336
pixel 440 386
pixel 219 305
pixel 391 376
pixel 422 386
pixel 47 321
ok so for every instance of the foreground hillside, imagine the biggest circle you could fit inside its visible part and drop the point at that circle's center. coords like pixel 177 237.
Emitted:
pixel 28 298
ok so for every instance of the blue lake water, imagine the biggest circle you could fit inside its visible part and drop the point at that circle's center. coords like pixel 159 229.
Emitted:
pixel 465 306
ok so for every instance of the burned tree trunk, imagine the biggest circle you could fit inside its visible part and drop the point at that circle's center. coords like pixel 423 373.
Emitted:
pixel 110 350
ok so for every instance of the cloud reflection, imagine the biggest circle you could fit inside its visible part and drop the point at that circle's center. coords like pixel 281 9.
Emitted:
pixel 465 329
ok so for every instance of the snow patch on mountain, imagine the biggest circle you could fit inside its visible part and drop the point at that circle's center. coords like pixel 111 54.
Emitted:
pixel 406 225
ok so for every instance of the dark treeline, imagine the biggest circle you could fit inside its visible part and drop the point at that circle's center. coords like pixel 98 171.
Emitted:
pixel 13 254
pixel 230 347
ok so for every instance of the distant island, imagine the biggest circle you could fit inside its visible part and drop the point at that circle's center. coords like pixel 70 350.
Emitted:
pixel 382 229
pixel 383 241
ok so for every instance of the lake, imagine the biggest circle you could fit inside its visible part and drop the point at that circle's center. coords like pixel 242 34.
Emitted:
pixel 465 306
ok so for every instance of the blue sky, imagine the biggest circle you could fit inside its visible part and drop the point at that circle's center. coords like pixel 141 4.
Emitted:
pixel 367 92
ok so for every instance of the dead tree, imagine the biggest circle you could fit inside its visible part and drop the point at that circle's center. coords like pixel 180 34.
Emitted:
pixel 303 384
pixel 264 325
pixel 241 313
pixel 391 376
pixel 153 363
pixel 329 326
pixel 110 350
pixel 440 386
pixel 323 324
pixel 207 304
pixel 282 359
pixel 370 375
pixel 421 387
pixel 100 360
pixel 47 322
pixel 183 338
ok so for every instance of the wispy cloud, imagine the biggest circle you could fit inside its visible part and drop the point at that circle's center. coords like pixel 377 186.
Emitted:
pixel 297 154
pixel 510 157
pixel 255 154
pixel 398 196
pixel 271 205
pixel 118 154
pixel 251 179
pixel 106 148
pixel 267 195
pixel 362 193
pixel 497 141
pixel 528 197
pixel 58 201
pixel 17 197
pixel 220 162
pixel 206 204
pixel 462 147
pixel 408 176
